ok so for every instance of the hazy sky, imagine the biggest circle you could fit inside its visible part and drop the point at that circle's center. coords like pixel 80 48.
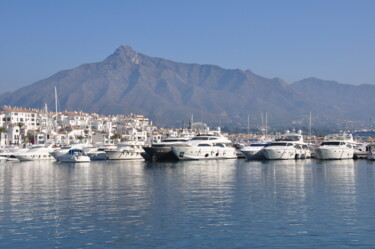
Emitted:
pixel 289 39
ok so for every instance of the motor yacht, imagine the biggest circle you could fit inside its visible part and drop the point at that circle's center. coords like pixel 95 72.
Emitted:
pixel 209 145
pixel 96 154
pixel 336 146
pixel 162 151
pixel 129 150
pixel 10 156
pixel 287 146
pixel 35 153
pixel 371 152
pixel 254 151
pixel 74 156
pixel 65 149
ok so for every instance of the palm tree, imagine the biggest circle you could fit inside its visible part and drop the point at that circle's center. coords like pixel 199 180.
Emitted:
pixel 116 136
pixel 2 130
pixel 20 125
pixel 29 138
pixel 80 138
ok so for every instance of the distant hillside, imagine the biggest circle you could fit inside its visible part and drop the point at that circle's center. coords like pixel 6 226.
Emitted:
pixel 338 100
pixel 168 92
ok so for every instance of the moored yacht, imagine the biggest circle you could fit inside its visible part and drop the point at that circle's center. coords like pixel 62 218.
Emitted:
pixel 10 153
pixel 65 149
pixel 336 146
pixel 35 153
pixel 287 146
pixel 96 154
pixel 254 151
pixel 129 150
pixel 74 156
pixel 371 152
pixel 211 145
pixel 162 151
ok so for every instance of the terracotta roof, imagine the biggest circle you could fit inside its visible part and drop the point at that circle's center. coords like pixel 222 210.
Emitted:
pixel 73 114
pixel 17 109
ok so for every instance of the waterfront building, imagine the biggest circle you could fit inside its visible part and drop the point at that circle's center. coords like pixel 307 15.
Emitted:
pixel 26 125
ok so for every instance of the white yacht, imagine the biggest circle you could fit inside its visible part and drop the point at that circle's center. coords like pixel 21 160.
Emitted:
pixel 371 152
pixel 96 153
pixel 254 151
pixel 35 153
pixel 205 146
pixel 336 146
pixel 74 156
pixel 9 155
pixel 287 146
pixel 65 149
pixel 162 151
pixel 129 150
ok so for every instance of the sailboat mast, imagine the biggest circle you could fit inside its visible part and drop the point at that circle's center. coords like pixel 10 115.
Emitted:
pixel 55 109
pixel 266 126
pixel 310 127
pixel 248 126
pixel 56 99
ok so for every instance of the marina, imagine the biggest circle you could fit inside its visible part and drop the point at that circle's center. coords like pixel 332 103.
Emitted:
pixel 187 124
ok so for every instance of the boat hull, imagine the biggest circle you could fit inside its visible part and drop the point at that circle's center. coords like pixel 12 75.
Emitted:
pixel 334 153
pixel 123 155
pixel 204 153
pixel 159 154
pixel 24 157
pixel 279 154
pixel 75 160
pixel 97 156
pixel 253 154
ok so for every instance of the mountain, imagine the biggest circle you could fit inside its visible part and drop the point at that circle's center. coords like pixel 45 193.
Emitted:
pixel 338 100
pixel 168 92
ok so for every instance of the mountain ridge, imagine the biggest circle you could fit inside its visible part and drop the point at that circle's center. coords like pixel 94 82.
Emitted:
pixel 169 92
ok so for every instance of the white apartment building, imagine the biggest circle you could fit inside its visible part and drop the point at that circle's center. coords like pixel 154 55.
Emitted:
pixel 67 127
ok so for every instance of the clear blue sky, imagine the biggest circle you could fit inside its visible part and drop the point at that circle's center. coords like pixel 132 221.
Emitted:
pixel 289 39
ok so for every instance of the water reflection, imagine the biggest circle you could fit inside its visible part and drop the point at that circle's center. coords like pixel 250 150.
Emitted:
pixel 233 203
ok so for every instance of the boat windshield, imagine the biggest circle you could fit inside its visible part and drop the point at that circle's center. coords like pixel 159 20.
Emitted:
pixel 257 145
pixel 330 143
pixel 174 140
pixel 200 138
pixel 277 144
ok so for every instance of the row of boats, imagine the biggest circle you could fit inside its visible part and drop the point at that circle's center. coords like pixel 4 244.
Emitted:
pixel 75 153
pixel 286 146
pixel 201 146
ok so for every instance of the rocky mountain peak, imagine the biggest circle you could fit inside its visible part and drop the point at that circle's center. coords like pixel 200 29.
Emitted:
pixel 126 52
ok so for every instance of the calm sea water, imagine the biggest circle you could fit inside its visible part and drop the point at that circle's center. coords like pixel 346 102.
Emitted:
pixel 203 204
